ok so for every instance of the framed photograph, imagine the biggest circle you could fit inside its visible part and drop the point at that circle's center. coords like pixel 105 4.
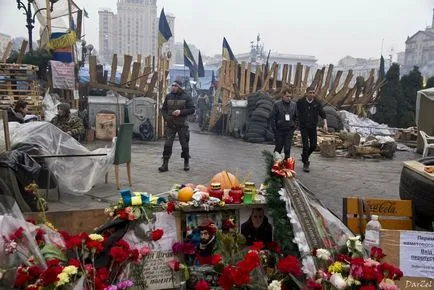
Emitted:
pixel 256 225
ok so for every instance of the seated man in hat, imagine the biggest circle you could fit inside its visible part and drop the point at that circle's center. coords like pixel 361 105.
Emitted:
pixel 67 122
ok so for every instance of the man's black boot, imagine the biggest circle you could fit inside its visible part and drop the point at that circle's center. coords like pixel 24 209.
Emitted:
pixel 306 166
pixel 186 164
pixel 165 166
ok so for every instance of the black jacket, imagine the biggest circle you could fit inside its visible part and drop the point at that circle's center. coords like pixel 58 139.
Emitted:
pixel 308 113
pixel 278 121
pixel 264 233
pixel 177 101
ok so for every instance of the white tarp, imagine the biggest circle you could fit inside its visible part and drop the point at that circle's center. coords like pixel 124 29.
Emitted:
pixel 364 126
pixel 75 175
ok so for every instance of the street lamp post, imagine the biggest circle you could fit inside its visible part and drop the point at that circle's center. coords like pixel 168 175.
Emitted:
pixel 30 18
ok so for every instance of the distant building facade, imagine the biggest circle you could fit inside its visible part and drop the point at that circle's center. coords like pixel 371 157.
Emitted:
pixel 419 51
pixel 133 30
pixel 4 40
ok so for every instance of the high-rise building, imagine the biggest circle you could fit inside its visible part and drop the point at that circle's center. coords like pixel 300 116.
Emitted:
pixel 133 30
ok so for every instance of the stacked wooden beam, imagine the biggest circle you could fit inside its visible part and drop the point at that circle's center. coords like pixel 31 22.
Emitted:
pixel 137 79
pixel 19 82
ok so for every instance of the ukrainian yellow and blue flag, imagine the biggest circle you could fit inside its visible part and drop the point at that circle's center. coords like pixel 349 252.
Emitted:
pixel 164 32
pixel 227 51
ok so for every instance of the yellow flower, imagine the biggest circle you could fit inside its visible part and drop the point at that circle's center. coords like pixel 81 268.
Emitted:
pixel 70 270
pixel 63 279
pixel 336 267
pixel 96 237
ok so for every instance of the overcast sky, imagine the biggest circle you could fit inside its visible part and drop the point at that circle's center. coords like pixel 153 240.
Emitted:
pixel 328 30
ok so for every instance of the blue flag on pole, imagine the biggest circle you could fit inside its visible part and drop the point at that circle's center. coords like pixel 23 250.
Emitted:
pixel 189 60
pixel 200 68
pixel 164 32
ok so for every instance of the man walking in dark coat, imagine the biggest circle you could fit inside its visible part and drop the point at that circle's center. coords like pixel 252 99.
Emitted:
pixel 308 110
pixel 283 122
pixel 176 108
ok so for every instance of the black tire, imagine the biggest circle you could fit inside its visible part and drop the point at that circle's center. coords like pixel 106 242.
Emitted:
pixel 264 102
pixel 259 119
pixel 420 190
pixel 257 131
pixel 257 125
pixel 333 119
pixel 262 113
pixel 256 140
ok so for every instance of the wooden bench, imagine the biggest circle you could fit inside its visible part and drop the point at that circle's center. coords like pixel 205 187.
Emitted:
pixel 393 213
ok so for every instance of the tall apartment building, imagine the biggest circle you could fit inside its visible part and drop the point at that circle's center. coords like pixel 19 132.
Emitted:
pixel 133 30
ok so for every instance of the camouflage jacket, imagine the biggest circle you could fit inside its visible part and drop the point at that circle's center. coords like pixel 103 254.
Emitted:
pixel 70 123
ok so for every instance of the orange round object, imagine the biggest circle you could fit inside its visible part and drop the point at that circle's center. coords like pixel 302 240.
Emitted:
pixel 226 179
pixel 185 194
pixel 202 188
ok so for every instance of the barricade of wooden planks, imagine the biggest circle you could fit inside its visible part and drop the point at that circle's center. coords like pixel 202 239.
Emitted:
pixel 238 80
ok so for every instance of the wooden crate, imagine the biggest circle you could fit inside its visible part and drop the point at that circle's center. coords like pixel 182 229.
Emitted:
pixel 19 82
pixel 393 213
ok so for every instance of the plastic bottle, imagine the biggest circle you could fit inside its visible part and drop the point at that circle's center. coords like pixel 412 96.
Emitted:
pixel 372 234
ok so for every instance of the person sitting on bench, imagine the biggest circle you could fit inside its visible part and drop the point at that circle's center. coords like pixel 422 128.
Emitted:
pixel 67 122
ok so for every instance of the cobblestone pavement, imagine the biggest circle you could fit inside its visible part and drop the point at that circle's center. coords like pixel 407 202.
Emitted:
pixel 329 179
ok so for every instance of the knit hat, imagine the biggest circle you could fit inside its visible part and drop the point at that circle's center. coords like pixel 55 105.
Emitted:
pixel 177 83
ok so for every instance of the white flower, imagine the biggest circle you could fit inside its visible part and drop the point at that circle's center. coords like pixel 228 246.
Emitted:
pixel 338 281
pixel 308 266
pixel 96 237
pixel 351 281
pixel 323 254
pixel 275 285
pixel 354 244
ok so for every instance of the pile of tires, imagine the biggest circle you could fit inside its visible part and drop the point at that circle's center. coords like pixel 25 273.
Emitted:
pixel 413 186
pixel 258 129
pixel 333 119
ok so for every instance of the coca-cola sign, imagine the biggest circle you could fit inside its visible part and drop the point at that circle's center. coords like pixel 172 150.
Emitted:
pixel 384 207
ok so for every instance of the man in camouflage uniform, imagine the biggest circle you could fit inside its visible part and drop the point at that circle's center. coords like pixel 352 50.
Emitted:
pixel 68 123
pixel 176 108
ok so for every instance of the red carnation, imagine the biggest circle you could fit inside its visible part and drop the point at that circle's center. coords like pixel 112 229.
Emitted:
pixel 170 207
pixel 274 247
pixel 39 237
pixel 123 214
pixel 343 258
pixel 250 262
pixel 17 234
pixel 119 254
pixel 50 275
pixel 313 285
pixel 65 235
pixel 74 242
pixel 391 271
pixel 156 234
pixel 122 244
pixel 53 262
pixel 215 259
pixel 257 246
pixel 22 277
pixel 134 255
pixel 367 287
pixel 35 271
pixel 369 273
pixel 94 246
pixel 202 285
pixel 103 274
pixel 74 262
pixel 290 265
pixel 377 253
pixel 31 220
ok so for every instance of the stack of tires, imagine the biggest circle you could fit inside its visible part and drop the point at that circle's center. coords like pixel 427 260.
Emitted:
pixel 334 121
pixel 259 107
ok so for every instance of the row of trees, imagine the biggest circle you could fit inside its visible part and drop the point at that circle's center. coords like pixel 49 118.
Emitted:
pixel 397 105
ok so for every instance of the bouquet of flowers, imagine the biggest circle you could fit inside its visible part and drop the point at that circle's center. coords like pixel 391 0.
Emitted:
pixel 347 270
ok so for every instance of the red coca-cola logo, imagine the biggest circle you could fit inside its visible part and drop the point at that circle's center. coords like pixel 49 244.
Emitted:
pixel 383 207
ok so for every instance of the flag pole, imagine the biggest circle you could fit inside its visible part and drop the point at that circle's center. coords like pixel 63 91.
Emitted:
pixel 157 113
